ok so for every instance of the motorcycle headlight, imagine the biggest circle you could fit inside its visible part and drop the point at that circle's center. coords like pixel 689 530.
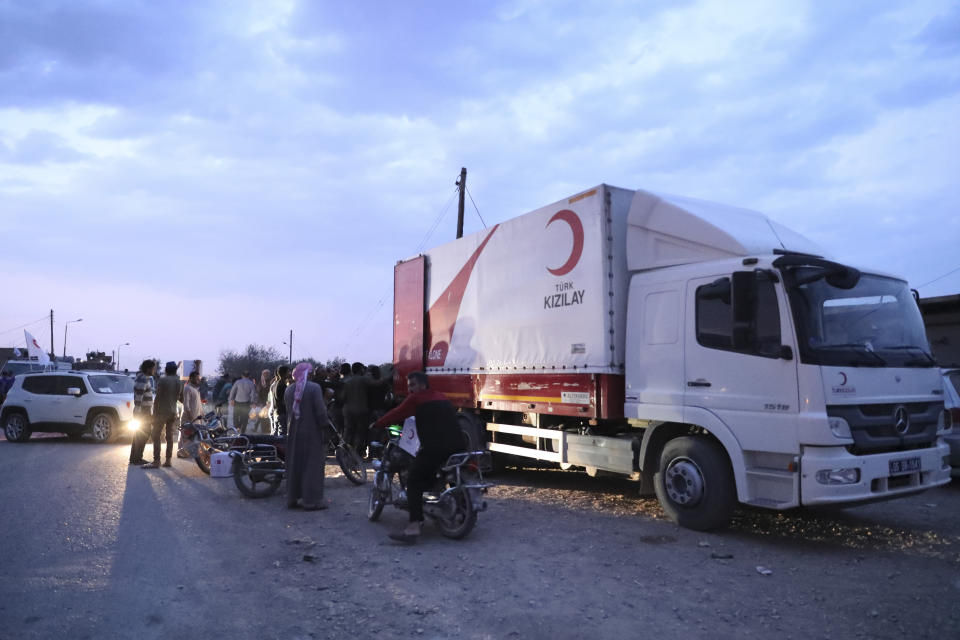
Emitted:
pixel 134 425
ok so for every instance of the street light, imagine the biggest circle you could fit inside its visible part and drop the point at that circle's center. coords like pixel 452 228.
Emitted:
pixel 65 325
pixel 125 344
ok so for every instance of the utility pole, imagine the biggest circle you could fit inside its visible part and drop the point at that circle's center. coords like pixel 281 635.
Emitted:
pixel 462 185
pixel 53 354
pixel 290 358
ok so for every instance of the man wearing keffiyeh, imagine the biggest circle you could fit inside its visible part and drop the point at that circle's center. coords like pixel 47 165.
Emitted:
pixel 306 441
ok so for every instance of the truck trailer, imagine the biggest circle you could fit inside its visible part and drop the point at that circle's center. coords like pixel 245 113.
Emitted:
pixel 702 349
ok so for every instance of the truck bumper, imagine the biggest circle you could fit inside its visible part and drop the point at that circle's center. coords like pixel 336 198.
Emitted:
pixel 876 478
pixel 953 441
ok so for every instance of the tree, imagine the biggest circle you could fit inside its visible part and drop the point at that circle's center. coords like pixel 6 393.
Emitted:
pixel 254 359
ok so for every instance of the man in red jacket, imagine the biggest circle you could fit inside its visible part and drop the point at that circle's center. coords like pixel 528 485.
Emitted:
pixel 439 436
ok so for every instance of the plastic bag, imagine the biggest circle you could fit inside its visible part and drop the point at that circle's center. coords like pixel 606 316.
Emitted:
pixel 409 440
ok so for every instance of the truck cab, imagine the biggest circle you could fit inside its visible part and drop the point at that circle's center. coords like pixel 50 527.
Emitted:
pixel 815 380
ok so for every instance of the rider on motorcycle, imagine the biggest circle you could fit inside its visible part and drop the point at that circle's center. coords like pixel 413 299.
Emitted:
pixel 439 438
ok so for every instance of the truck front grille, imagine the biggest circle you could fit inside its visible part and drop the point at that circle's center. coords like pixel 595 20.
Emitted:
pixel 875 428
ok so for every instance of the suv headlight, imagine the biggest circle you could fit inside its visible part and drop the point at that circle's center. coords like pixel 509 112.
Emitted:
pixel 839 428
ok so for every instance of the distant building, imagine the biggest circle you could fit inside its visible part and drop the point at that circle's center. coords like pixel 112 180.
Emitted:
pixel 941 315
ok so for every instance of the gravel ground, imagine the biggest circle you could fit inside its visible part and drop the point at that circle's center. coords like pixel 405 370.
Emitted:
pixel 97 549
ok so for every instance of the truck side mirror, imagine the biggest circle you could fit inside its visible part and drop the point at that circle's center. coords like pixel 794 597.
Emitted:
pixel 73 391
pixel 786 353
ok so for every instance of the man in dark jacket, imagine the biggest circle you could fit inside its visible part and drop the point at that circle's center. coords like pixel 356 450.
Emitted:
pixel 439 436
pixel 165 413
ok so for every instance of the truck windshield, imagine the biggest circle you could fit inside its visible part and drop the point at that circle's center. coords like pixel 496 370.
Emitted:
pixel 874 323
pixel 111 383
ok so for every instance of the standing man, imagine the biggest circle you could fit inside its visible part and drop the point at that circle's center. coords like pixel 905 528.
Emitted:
pixel 192 407
pixel 6 383
pixel 439 436
pixel 306 443
pixel 142 409
pixel 356 412
pixel 242 396
pixel 165 414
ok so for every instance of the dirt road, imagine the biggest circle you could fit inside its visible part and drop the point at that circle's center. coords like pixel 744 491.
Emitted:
pixel 96 549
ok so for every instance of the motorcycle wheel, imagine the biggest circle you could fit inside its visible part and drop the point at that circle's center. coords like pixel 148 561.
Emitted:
pixel 203 457
pixel 463 519
pixel 351 464
pixel 376 501
pixel 255 483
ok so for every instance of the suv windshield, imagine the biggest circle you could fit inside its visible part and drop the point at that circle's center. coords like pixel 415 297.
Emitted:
pixel 111 383
pixel 874 323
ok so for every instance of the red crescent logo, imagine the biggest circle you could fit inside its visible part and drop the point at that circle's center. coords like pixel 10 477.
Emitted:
pixel 577 228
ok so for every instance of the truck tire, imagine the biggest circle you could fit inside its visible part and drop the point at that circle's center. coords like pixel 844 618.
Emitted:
pixel 694 483
pixel 473 432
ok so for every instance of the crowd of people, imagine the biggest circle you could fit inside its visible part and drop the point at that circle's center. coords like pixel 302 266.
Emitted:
pixel 298 406
pixel 355 394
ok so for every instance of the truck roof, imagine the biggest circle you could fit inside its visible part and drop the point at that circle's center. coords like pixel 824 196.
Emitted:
pixel 665 230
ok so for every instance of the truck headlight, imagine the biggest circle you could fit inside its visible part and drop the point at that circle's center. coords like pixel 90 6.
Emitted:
pixel 838 476
pixel 839 428
pixel 944 422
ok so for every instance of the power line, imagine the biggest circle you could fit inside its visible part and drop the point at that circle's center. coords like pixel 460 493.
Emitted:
pixel 24 326
pixel 379 304
pixel 482 221
pixel 436 222
pixel 948 273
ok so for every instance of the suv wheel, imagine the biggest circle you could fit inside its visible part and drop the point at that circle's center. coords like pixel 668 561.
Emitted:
pixel 103 426
pixel 16 427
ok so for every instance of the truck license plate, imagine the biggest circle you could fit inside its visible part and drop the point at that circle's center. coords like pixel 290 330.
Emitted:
pixel 904 465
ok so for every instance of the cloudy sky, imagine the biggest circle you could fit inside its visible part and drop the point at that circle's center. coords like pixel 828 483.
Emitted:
pixel 196 176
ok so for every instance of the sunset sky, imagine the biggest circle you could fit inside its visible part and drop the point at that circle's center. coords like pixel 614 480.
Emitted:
pixel 191 177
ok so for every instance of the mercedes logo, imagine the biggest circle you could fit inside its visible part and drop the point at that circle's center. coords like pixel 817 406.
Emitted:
pixel 901 419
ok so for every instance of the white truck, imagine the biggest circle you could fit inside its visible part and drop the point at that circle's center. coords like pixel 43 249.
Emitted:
pixel 703 349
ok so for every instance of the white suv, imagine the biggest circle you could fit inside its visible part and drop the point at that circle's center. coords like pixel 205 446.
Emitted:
pixel 70 402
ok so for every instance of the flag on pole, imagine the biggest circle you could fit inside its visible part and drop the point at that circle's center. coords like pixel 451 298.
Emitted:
pixel 35 350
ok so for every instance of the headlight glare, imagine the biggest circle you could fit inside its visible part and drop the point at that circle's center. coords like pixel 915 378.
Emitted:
pixel 133 425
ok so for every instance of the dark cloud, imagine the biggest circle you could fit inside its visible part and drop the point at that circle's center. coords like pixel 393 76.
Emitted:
pixel 99 52
pixel 941 35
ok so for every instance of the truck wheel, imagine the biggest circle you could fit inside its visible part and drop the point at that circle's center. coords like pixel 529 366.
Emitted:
pixel 473 432
pixel 103 427
pixel 16 428
pixel 694 483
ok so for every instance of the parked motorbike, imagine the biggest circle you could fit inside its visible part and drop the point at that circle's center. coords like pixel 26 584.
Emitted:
pixel 259 462
pixel 456 497
pixel 202 438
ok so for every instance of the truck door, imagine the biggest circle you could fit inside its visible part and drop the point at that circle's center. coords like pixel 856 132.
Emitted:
pixel 739 358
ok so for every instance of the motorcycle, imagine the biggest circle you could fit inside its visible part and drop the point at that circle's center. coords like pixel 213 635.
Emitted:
pixel 259 462
pixel 456 497
pixel 202 438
